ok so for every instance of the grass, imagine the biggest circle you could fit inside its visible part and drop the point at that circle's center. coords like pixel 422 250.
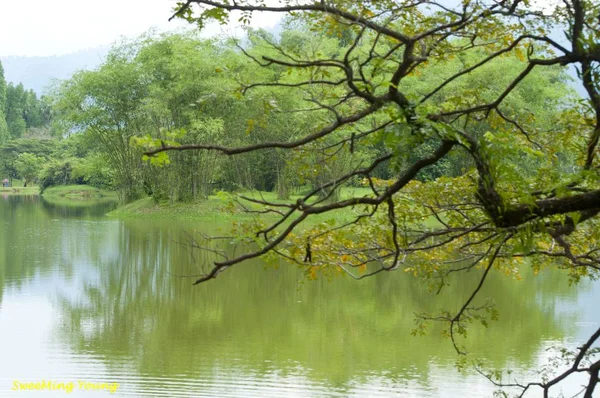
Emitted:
pixel 212 208
pixel 78 193
pixel 222 207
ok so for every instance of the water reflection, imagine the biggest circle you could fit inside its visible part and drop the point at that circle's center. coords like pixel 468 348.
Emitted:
pixel 115 307
pixel 259 321
pixel 78 208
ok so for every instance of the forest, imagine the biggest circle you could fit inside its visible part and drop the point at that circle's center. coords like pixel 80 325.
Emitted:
pixel 93 128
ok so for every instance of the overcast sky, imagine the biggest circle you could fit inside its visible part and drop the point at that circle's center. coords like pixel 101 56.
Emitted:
pixel 56 27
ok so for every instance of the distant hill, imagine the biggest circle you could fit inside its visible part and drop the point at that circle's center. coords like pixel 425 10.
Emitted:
pixel 37 72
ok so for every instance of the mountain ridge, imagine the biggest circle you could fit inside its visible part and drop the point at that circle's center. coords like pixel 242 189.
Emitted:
pixel 38 72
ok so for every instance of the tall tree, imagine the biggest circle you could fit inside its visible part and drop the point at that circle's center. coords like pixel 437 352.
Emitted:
pixel 107 104
pixel 16 99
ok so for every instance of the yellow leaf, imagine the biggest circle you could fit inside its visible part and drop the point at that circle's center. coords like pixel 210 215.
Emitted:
pixel 520 54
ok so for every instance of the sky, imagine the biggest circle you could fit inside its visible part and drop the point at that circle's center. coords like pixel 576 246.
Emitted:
pixel 57 27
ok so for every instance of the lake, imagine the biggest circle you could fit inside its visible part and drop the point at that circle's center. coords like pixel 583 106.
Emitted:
pixel 86 298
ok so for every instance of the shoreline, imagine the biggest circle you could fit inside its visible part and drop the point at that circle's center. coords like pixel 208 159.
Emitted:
pixel 222 207
pixel 214 208
pixel 219 207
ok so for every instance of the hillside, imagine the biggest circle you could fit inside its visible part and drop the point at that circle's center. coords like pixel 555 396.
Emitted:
pixel 38 72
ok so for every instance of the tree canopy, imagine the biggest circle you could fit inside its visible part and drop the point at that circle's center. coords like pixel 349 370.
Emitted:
pixel 421 83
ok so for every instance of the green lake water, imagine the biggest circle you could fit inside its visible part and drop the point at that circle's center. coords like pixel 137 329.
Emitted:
pixel 88 298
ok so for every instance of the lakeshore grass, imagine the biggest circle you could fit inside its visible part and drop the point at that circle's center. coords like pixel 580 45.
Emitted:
pixel 225 207
pixel 222 207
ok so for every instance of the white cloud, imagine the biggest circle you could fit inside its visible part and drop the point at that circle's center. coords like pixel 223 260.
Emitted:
pixel 55 27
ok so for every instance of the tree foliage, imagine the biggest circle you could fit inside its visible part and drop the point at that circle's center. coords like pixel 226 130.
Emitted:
pixel 28 166
pixel 11 151
pixel 177 88
pixel 423 82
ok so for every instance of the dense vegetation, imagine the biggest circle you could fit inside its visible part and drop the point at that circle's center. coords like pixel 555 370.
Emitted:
pixel 179 88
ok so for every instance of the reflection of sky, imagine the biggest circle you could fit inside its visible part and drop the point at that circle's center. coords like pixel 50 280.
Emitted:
pixel 588 306
pixel 546 355
pixel 29 355
pixel 582 302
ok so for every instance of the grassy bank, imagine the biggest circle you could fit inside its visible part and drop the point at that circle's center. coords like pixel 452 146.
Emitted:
pixel 213 208
pixel 222 208
pixel 77 193
pixel 218 207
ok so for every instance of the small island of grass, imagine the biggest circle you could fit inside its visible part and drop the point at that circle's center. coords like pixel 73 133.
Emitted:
pixel 78 192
